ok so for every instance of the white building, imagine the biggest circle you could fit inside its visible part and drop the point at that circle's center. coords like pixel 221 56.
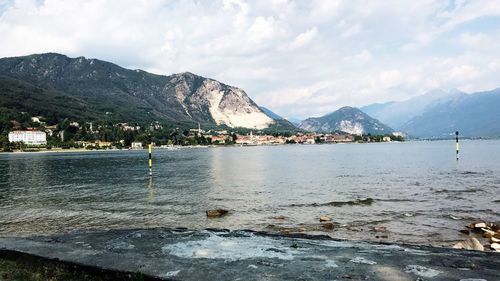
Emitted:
pixel 136 145
pixel 28 137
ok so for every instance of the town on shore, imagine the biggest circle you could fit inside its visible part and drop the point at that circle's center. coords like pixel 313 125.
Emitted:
pixel 86 135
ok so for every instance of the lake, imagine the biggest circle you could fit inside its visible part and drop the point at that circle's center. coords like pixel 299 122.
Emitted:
pixel 411 192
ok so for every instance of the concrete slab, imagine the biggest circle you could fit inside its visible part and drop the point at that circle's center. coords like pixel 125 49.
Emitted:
pixel 181 254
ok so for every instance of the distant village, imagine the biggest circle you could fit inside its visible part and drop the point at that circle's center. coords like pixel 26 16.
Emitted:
pixel 86 136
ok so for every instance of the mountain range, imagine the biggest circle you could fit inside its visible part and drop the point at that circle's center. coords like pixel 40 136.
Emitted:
pixel 54 85
pixel 107 91
pixel 438 114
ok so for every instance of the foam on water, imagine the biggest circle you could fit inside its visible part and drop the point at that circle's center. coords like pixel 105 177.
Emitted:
pixel 422 271
pixel 331 263
pixel 231 248
pixel 362 260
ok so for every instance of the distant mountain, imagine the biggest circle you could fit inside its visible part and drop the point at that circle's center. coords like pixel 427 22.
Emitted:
pixel 295 121
pixel 473 115
pixel 395 114
pixel 438 114
pixel 346 119
pixel 280 121
pixel 123 95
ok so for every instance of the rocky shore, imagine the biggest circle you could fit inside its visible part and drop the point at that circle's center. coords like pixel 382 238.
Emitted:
pixel 489 231
pixel 217 254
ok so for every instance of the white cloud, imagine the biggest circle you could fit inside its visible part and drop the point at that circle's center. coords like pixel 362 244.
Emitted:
pixel 297 57
pixel 390 78
pixel 304 38
pixel 362 57
pixel 352 30
pixel 263 29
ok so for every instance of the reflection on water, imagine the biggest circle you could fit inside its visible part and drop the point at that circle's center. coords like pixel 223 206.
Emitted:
pixel 150 190
pixel 420 193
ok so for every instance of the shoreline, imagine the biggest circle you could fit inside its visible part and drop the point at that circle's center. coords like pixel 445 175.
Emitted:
pixel 178 147
pixel 220 254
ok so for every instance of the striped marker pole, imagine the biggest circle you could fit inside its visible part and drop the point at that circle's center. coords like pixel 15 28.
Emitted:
pixel 458 147
pixel 150 147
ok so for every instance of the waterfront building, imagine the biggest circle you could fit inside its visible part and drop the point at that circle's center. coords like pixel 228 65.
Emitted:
pixel 221 139
pixel 103 144
pixel 136 145
pixel 31 137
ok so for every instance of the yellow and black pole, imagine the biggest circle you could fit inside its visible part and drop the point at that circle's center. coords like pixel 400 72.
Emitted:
pixel 150 148
pixel 458 147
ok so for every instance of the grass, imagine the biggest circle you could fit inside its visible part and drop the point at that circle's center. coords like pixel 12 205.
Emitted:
pixel 15 266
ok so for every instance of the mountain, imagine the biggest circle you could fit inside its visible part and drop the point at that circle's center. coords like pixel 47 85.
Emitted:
pixel 439 113
pixel 123 95
pixel 346 119
pixel 280 121
pixel 25 97
pixel 271 114
pixel 295 121
pixel 395 114
pixel 473 115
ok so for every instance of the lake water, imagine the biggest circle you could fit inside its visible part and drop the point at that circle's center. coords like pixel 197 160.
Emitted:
pixel 420 193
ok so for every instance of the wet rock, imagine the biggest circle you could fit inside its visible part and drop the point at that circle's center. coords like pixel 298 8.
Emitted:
pixel 324 218
pixel 379 229
pixel 488 233
pixel 480 225
pixel 477 225
pixel 495 246
pixel 494 240
pixel 216 213
pixel 470 244
pixel 328 225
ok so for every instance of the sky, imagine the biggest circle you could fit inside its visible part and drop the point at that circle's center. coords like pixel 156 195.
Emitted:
pixel 298 58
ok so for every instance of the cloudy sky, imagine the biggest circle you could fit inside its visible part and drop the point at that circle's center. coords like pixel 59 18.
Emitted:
pixel 299 58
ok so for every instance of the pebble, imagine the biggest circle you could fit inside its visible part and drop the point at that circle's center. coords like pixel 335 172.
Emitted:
pixel 216 213
pixel 324 218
